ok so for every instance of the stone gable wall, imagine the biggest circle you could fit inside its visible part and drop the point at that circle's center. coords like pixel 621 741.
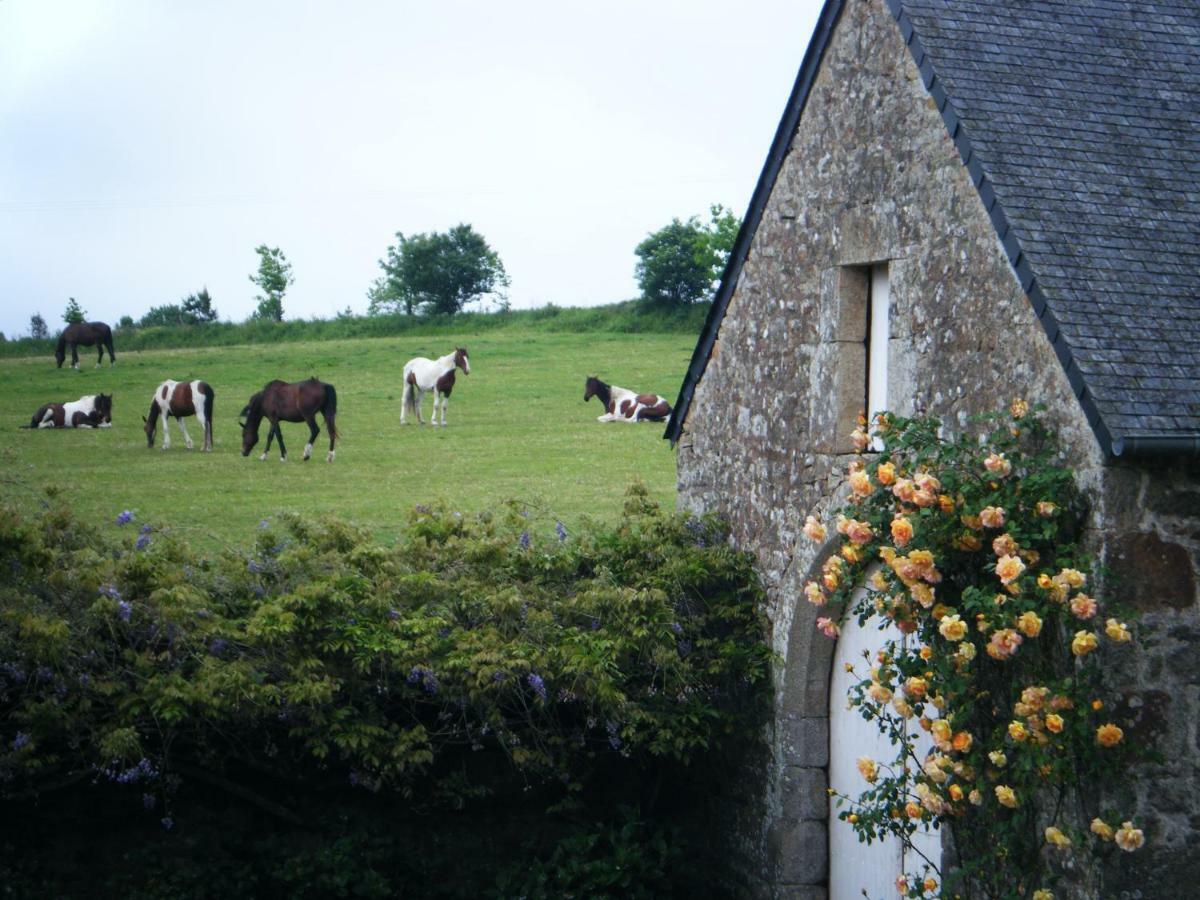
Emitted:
pixel 872 176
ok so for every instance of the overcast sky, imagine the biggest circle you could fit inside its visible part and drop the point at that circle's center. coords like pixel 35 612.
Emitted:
pixel 147 146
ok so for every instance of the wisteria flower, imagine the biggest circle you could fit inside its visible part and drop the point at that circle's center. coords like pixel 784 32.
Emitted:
pixel 124 517
pixel 538 684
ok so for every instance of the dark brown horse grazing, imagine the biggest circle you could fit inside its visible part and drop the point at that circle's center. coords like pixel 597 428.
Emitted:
pixel 299 401
pixel 90 334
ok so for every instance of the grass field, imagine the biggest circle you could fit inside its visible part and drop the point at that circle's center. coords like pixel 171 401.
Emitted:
pixel 518 429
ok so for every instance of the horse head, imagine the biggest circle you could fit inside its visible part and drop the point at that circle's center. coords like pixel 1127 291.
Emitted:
pixel 592 388
pixel 103 407
pixel 460 360
pixel 248 421
pixel 60 351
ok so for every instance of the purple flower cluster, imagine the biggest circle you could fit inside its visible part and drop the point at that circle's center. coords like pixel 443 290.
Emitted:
pixel 144 770
pixel 538 685
pixel 110 591
pixel 124 610
pixel 698 531
pixel 561 530
pixel 14 672
pixel 393 614
pixel 253 567
pixel 149 801
pixel 523 540
pixel 425 677
pixel 614 739
pixel 498 676
pixel 168 823
pixel 124 517
pixel 677 628
pixel 21 739
pixel 142 542
pixel 217 646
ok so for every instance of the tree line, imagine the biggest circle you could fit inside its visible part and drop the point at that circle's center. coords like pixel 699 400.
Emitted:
pixel 441 273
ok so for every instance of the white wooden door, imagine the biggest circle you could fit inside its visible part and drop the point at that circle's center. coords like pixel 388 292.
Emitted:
pixel 856 869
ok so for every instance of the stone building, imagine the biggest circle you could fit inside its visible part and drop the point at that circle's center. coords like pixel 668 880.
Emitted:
pixel 968 201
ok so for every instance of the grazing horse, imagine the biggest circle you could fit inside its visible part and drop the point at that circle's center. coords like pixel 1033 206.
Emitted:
pixel 93 411
pixel 90 334
pixel 299 401
pixel 437 375
pixel 623 405
pixel 179 399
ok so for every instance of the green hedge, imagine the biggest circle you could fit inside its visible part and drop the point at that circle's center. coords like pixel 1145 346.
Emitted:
pixel 630 317
pixel 492 707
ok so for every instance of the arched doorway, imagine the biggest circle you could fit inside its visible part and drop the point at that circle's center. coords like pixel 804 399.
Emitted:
pixel 858 869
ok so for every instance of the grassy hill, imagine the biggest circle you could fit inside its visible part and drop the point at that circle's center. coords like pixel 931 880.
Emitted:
pixel 518 429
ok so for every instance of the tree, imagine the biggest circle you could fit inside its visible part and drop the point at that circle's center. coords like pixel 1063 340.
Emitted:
pixel 273 277
pixel 73 313
pixel 126 322
pixel 37 327
pixel 198 308
pixel 437 273
pixel 681 262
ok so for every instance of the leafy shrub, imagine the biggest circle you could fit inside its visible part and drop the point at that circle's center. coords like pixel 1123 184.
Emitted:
pixel 490 699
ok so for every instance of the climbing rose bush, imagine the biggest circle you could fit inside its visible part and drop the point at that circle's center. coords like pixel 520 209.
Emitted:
pixel 968 549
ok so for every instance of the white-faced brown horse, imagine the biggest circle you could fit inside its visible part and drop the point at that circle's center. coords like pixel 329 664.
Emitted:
pixel 179 399
pixel 623 405
pixel 93 411
pixel 90 334
pixel 298 401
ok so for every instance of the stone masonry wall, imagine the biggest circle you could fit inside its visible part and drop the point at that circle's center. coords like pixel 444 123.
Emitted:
pixel 872 176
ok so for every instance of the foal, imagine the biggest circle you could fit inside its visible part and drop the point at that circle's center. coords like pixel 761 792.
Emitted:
pixel 179 399
pixel 94 411
pixel 622 405
pixel 437 375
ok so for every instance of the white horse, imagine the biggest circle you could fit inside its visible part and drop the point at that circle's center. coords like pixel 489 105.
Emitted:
pixel 179 399
pixel 437 375
pixel 623 405
pixel 93 411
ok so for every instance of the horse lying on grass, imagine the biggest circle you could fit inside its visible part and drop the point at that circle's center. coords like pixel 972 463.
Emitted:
pixel 623 405
pixel 298 401
pixel 90 334
pixel 93 411
pixel 179 399
pixel 437 375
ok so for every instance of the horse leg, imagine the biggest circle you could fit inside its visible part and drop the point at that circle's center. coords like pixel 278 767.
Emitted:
pixel 74 356
pixel 270 437
pixel 332 436
pixel 420 395
pixel 187 438
pixel 445 403
pixel 405 400
pixel 166 431
pixel 313 431
pixel 99 353
pixel 279 438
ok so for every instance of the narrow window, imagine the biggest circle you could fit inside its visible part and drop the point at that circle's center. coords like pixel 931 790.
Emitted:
pixel 878 302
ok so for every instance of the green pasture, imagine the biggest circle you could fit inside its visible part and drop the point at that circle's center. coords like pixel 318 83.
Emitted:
pixel 518 429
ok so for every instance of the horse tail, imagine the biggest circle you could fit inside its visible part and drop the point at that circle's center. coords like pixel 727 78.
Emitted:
pixel 108 342
pixel 407 398
pixel 208 401
pixel 330 410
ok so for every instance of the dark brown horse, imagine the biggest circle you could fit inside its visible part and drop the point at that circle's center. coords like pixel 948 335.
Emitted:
pixel 90 334
pixel 299 401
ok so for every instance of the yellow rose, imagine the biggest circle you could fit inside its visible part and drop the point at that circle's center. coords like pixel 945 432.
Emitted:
pixel 1129 838
pixel 962 742
pixel 1117 631
pixel 999 760
pixel 1017 731
pixel 997 465
pixel 902 531
pixel 1054 723
pixel 1102 829
pixel 1083 643
pixel 1009 568
pixel 1043 894
pixel 1109 735
pixel 929 884
pixel 868 769
pixel 1073 577
pixel 1057 839
pixel 946 503
pixel 879 693
pixel 912 809
pixel 992 516
pixel 972 522
pixel 1046 509
pixel 814 530
pixel 1029 624
pixel 814 594
pixel 975 797
pixel 1006 796
pixel 941 731
pixel 1004 545
pixel 966 652
pixel 1018 408
pixel 860 484
pixel 915 687
pixel 952 628
pixel 923 594
pixel 886 474
pixel 956 793
pixel 1082 606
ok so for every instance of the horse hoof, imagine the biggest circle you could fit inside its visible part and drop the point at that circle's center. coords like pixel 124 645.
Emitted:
pixel 329 456
pixel 263 458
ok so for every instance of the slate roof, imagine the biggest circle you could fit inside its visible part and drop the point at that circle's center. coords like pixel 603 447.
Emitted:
pixel 1079 121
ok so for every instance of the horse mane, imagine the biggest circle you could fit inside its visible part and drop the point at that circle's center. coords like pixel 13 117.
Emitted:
pixel 253 410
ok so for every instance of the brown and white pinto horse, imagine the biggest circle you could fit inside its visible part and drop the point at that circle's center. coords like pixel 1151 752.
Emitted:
pixel 90 334
pixel 437 375
pixel 179 399
pixel 93 411
pixel 623 405
pixel 298 401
